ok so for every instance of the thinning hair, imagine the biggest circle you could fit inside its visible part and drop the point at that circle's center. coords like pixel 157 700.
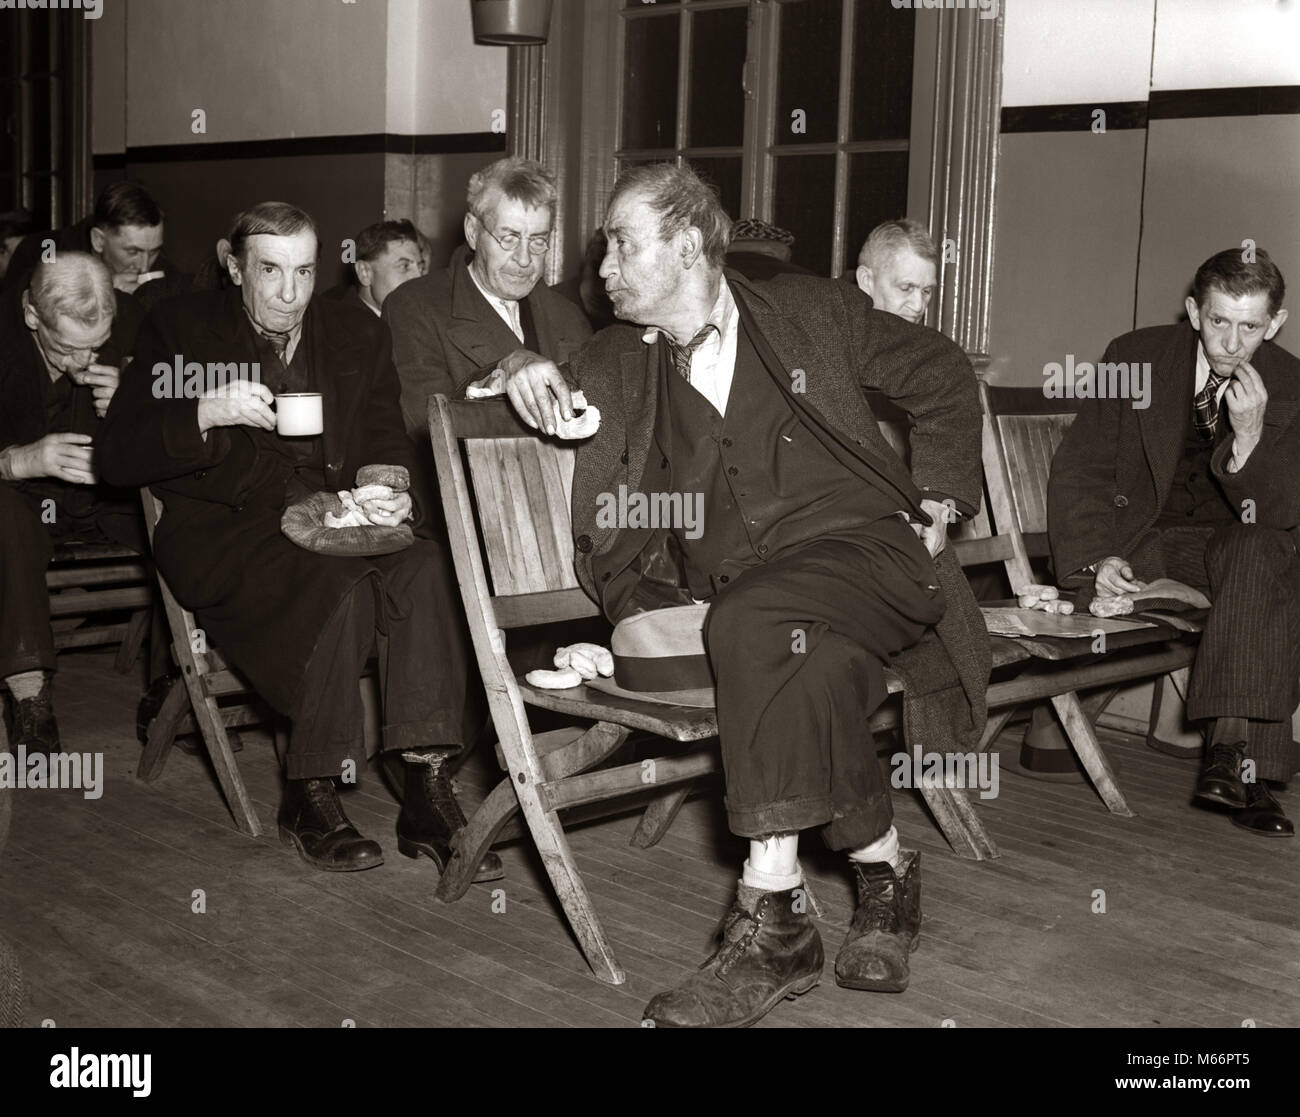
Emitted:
pixel 516 178
pixel 272 219
pixel 683 200
pixel 890 237
pixel 374 239
pixel 1230 272
pixel 73 285
pixel 125 203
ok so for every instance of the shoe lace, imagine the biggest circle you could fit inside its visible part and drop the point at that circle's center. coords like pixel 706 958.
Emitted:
pixel 1227 755
pixel 876 911
pixel 738 931
pixel 325 799
pixel 442 794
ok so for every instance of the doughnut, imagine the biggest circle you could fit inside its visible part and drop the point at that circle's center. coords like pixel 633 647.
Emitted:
pixel 554 680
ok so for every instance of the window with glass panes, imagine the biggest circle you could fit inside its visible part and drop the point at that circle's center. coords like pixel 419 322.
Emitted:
pixel 798 111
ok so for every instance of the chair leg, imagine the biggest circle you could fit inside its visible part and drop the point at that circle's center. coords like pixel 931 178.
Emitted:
pixel 129 650
pixel 160 734
pixel 553 845
pixel 959 823
pixel 659 815
pixel 995 724
pixel 1083 738
pixel 210 725
pixel 470 844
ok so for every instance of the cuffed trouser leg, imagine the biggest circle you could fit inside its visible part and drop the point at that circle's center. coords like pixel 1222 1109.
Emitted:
pixel 798 648
pixel 26 642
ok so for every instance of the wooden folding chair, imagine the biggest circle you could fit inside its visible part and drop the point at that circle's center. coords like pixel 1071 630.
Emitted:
pixel 90 579
pixel 513 551
pixel 1022 432
pixel 216 696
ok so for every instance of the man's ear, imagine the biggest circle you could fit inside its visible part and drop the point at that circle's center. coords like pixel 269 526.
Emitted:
pixel 365 272
pixel 692 246
pixel 865 279
pixel 471 232
pixel 232 266
pixel 1193 313
pixel 97 240
pixel 1278 321
pixel 29 313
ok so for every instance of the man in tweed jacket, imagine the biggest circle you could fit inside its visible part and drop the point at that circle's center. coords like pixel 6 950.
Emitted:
pixel 752 394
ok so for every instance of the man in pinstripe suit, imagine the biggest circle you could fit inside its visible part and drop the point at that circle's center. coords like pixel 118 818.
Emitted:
pixel 1204 488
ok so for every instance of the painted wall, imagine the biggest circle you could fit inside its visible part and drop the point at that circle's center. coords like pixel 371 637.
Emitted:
pixel 1099 232
pixel 268 70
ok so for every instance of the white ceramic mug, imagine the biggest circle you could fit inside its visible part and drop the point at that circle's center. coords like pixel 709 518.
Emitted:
pixel 298 414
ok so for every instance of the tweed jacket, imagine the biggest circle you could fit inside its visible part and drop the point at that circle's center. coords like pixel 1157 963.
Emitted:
pixel 832 344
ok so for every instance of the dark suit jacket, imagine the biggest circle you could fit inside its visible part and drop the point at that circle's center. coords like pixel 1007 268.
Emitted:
pixel 219 541
pixel 445 334
pixel 828 330
pixel 1113 470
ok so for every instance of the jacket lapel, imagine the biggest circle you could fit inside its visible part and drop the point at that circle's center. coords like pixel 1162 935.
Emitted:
pixel 476 330
pixel 1173 377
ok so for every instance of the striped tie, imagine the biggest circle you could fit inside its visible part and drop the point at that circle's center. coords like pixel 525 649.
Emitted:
pixel 682 354
pixel 1205 407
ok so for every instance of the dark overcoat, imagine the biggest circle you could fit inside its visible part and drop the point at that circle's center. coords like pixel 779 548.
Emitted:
pixel 832 346
pixel 219 542
pixel 1113 470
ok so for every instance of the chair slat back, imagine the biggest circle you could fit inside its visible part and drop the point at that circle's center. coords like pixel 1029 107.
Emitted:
pixel 508 515
pixel 1027 429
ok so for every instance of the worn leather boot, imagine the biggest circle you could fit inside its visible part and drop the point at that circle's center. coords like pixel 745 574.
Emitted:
pixel 33 722
pixel 1220 779
pixel 311 819
pixel 770 950
pixel 431 815
pixel 885 929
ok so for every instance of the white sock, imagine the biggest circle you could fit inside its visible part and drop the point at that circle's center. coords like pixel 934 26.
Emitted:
pixel 884 848
pixel 26 684
pixel 770 882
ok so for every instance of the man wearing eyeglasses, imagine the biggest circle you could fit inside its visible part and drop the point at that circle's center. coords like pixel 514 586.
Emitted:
pixel 490 300
pixel 59 356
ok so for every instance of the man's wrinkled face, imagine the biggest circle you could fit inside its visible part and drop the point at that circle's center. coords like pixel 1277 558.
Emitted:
pixel 69 346
pixel 902 285
pixel 641 270
pixel 1232 327
pixel 510 271
pixel 129 250
pixel 277 276
pixel 398 262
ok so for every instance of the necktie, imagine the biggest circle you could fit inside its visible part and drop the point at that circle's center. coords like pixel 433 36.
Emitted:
pixel 512 312
pixel 280 343
pixel 1205 407
pixel 682 354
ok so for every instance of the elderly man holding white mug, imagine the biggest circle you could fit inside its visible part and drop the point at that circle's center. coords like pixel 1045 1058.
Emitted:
pixel 300 624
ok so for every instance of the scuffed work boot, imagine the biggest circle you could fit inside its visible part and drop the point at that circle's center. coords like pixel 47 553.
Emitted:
pixel 431 814
pixel 885 929
pixel 770 950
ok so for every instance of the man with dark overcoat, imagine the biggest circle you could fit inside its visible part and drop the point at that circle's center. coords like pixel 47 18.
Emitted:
pixel 1193 478
pixel 821 558
pixel 299 624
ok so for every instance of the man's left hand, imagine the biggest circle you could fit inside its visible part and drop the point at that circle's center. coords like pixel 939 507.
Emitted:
pixel 1247 401
pixel 935 535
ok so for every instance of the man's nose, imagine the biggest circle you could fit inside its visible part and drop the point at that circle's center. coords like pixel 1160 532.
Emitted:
pixel 607 269
pixel 1232 340
pixel 522 255
pixel 289 289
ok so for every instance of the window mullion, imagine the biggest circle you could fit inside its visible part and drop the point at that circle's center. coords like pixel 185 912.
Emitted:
pixel 845 110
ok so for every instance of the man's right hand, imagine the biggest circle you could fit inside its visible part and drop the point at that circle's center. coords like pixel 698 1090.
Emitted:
pixel 534 386
pixel 66 457
pixel 240 403
pixel 1115 578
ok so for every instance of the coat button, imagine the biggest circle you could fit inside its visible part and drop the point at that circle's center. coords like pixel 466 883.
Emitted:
pixel 199 474
pixel 732 470
pixel 726 442
pixel 762 548
pixel 584 544
pixel 623 458
pixel 663 463
pixel 725 578
pixel 1121 501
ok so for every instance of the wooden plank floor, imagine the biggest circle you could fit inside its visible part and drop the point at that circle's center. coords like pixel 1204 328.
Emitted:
pixel 1201 924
